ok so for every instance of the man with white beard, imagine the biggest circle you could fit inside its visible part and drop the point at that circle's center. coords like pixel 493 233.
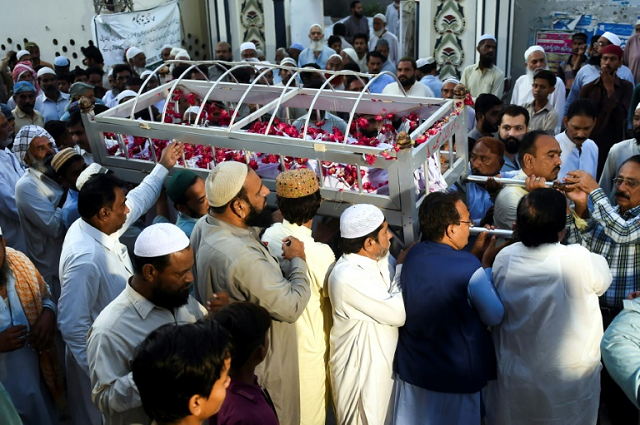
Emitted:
pixel 317 52
pixel 380 33
pixel 536 58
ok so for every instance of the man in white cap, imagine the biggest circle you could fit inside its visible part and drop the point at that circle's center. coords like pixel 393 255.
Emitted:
pixel 23 56
pixel 248 50
pixel 367 309
pixel 95 265
pixel 61 65
pixel 10 172
pixel 380 33
pixel 426 74
pixel 335 63
pixel 231 258
pixel 447 93
pixel 591 72
pixel 317 52
pixel 136 59
pixel 156 295
pixel 484 76
pixel 298 199
pixel 536 59
pixel 51 103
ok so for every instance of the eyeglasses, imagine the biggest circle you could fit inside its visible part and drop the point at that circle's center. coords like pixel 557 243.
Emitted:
pixel 470 223
pixel 630 183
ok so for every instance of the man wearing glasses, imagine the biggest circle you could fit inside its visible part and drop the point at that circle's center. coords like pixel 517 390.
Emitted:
pixel 613 232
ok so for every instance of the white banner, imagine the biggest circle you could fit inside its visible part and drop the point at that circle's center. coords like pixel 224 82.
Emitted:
pixel 148 30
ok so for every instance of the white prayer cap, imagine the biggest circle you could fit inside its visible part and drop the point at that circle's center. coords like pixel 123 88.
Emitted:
pixel 360 220
pixel 380 16
pixel 125 93
pixel 638 107
pixel 92 169
pixel 224 182
pixel 484 37
pixel 192 110
pixel 22 53
pixel 133 52
pixel 335 55
pixel 182 54
pixel 351 53
pixel 159 240
pixel 637 23
pixel 0 231
pixel 145 74
pixel 61 61
pixel 290 61
pixel 613 39
pixel 451 80
pixel 166 46
pixel 45 70
pixel 425 61
pixel 532 49
pixel 247 46
pixel 316 25
pixel 110 72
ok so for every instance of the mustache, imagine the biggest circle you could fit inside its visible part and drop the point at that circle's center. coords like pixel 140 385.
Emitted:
pixel 621 194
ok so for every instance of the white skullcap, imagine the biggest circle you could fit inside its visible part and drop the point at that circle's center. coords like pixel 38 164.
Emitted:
pixel 22 53
pixel 125 93
pixel 532 49
pixel 451 80
pixel 92 169
pixel 192 110
pixel 247 46
pixel 613 39
pixel 45 70
pixel 110 72
pixel 380 16
pixel 637 22
pixel 316 25
pixel 335 55
pixel 175 51
pixel 182 54
pixel 638 107
pixel 224 182
pixel 484 37
pixel 0 231
pixel 166 46
pixel 133 52
pixel 425 61
pixel 360 220
pixel 351 53
pixel 145 74
pixel 160 239
pixel 290 61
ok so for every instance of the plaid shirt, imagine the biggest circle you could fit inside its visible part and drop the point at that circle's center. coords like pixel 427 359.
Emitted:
pixel 616 237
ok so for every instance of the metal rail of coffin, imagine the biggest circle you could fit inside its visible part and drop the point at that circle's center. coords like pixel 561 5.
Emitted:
pixel 400 205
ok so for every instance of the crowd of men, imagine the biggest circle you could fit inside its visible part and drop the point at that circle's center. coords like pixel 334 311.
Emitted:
pixel 115 313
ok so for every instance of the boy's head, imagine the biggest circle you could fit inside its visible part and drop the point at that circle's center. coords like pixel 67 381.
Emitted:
pixel 247 324
pixel 544 83
pixel 182 371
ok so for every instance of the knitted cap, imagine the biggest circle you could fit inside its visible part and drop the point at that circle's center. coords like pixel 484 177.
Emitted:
pixel 225 181
pixel 88 172
pixel 360 220
pixel 296 183
pixel 62 157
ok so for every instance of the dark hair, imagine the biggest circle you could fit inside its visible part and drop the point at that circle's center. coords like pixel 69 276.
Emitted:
pixel 174 363
pixel 74 119
pixel 485 102
pixel 339 29
pixel 582 107
pixel 409 59
pixel 580 35
pixel 222 208
pixel 333 39
pixel 242 74
pixel 541 215
pixel 98 192
pixel 353 4
pixel 635 159
pixel 361 35
pixel 62 171
pixel 65 77
pixel 528 144
pixel 351 66
pixel 594 39
pixel 514 111
pixel 56 129
pixel 375 54
pixel 299 210
pixel 78 72
pixel 158 263
pixel 353 246
pixel 351 78
pixel 547 75
pixel 95 70
pixel 428 68
pixel 119 68
pixel 247 324
pixel 134 81
pixel 436 213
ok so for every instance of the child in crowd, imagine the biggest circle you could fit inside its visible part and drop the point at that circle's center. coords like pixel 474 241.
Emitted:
pixel 542 114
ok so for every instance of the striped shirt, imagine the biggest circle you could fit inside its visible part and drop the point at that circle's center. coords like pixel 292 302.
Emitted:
pixel 616 237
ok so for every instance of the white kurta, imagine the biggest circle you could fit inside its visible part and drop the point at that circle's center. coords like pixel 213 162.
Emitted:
pixel 312 344
pixel 523 93
pixel 417 90
pixel 10 173
pixel 548 344
pixel 367 312
pixel 393 45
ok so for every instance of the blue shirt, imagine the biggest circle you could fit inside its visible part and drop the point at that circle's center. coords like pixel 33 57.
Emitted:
pixel 307 56
pixel 433 83
pixel 589 73
pixel 50 109
pixel 380 83
pixel 509 165
pixel 388 66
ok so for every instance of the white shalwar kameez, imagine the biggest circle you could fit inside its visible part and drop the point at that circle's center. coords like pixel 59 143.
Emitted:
pixel 367 312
